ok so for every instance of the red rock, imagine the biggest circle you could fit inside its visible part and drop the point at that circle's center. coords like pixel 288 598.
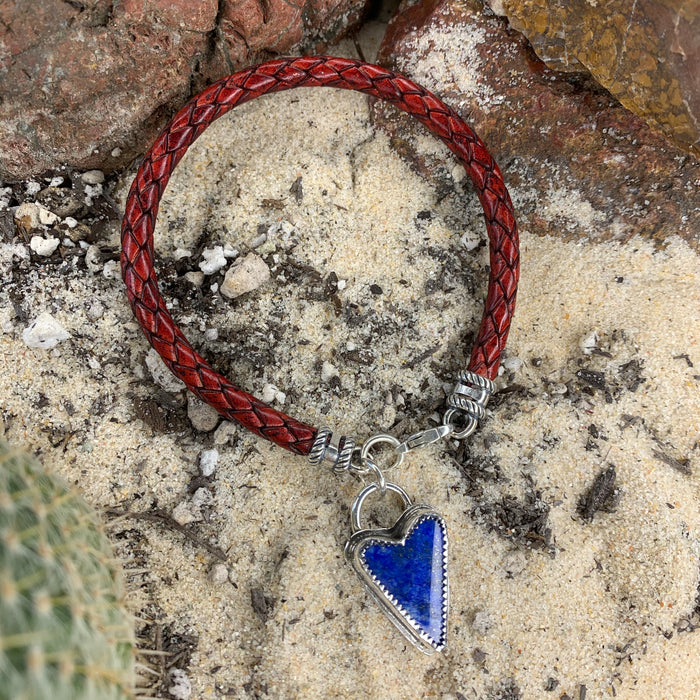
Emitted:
pixel 275 24
pixel 646 53
pixel 191 16
pixel 555 135
pixel 76 84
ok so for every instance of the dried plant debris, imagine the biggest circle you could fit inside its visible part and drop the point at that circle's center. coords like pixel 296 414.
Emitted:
pixel 551 684
pixel 477 469
pixel 680 465
pixel 158 418
pixel 262 604
pixel 506 690
pixel 603 495
pixel 165 520
pixel 522 521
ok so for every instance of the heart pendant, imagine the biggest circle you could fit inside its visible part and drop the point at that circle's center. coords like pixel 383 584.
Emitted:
pixel 404 568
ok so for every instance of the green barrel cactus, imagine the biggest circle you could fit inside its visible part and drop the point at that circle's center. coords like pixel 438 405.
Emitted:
pixel 64 632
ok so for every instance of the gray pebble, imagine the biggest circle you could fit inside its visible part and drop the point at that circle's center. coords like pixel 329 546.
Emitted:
pixel 218 574
pixel 202 416
pixel 161 373
pixel 225 433
pixel 186 512
pixel 482 622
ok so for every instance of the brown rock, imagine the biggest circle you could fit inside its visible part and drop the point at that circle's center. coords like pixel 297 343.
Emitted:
pixel 177 14
pixel 91 83
pixel 647 53
pixel 578 163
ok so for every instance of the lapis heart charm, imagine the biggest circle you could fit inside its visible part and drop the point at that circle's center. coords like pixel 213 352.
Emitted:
pixel 404 568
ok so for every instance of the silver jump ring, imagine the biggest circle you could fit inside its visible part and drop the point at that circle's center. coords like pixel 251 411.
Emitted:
pixel 468 429
pixel 372 468
pixel 369 489
pixel 376 440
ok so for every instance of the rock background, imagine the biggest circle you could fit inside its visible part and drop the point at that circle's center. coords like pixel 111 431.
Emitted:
pixel 646 53
pixel 90 83
pixel 556 132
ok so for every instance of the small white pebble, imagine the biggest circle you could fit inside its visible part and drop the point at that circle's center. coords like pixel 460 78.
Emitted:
pixel 44 246
pixel 218 574
pixel 512 364
pixel 196 279
pixel 181 688
pixel 282 229
pixel 110 271
pixel 93 258
pixel 589 342
pixel 388 417
pixel 33 188
pixel 328 371
pixel 27 215
pixel 458 173
pixel 208 461
pixel 213 260
pixel 342 284
pixel 96 310
pixel 350 346
pixel 211 334
pixel 116 152
pixel 56 181
pixel 271 393
pixel 258 240
pixel 70 222
pixel 230 252
pixel 202 497
pixel 180 253
pixel 470 240
pixel 214 287
pixel 93 177
pixel 5 196
pixel 7 316
pixel 91 192
pixel 44 333
pixel 245 275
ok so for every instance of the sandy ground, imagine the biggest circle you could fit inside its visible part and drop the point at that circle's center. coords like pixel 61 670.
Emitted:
pixel 602 368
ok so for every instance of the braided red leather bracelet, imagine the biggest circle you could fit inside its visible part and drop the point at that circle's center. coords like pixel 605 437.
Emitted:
pixel 404 567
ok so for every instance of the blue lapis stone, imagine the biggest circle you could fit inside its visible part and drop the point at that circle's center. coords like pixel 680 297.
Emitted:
pixel 413 576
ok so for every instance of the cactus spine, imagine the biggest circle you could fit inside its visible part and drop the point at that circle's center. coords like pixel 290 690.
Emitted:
pixel 64 632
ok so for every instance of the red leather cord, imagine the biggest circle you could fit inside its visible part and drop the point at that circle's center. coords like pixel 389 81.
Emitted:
pixel 137 256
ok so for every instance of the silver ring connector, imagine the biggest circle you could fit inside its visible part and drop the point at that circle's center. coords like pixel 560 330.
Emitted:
pixel 340 455
pixel 469 399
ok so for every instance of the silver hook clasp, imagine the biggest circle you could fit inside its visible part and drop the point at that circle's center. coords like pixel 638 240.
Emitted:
pixel 424 437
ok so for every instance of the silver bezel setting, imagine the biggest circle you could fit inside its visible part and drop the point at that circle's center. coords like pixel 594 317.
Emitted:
pixel 397 535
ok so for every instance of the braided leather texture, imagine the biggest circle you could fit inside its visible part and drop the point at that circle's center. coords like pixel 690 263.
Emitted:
pixel 137 256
